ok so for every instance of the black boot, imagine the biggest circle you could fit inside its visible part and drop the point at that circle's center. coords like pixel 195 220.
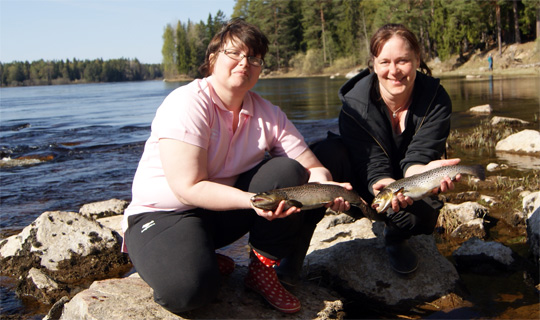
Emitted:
pixel 402 257
pixel 290 267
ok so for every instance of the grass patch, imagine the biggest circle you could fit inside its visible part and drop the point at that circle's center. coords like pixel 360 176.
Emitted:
pixel 484 135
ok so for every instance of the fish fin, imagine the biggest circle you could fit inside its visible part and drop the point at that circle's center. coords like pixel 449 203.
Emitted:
pixel 400 190
pixel 295 203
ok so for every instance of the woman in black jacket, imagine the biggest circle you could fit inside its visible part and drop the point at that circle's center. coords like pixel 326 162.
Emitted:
pixel 394 123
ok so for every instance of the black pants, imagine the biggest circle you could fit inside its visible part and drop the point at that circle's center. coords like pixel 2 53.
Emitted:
pixel 174 252
pixel 419 218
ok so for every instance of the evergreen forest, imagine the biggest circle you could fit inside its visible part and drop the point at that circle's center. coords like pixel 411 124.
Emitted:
pixel 76 71
pixel 309 36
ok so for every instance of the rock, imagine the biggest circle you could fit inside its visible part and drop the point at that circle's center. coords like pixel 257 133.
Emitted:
pixel 486 108
pixel 460 197
pixel 517 218
pixel 489 200
pixel 351 74
pixel 131 298
pixel 56 310
pixel 42 287
pixel 66 248
pixel 531 209
pixel 527 141
pixel 496 167
pixel 103 209
pixel 470 229
pixel 504 120
pixel 453 215
pixel 112 222
pixel 366 273
pixel 482 257
pixel 531 203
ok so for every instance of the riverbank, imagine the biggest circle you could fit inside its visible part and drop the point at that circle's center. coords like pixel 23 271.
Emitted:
pixel 516 59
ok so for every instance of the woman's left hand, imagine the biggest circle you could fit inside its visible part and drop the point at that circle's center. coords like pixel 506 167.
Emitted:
pixel 280 211
pixel 339 204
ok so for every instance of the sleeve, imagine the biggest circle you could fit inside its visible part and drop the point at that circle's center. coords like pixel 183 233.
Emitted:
pixel 429 142
pixel 184 116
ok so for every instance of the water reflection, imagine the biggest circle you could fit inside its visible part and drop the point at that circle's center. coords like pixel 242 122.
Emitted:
pixel 303 98
pixel 317 98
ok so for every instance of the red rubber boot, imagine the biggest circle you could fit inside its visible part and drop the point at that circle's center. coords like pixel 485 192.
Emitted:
pixel 262 278
pixel 225 264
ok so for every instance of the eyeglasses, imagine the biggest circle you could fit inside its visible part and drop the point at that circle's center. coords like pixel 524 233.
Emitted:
pixel 235 55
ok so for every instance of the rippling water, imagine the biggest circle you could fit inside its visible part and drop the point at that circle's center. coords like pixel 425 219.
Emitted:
pixel 64 146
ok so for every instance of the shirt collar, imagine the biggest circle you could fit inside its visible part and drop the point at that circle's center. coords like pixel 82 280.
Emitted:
pixel 247 104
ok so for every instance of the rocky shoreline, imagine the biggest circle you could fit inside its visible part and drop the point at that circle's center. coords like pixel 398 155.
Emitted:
pixel 72 262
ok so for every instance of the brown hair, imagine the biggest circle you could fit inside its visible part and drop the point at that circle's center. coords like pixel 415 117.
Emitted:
pixel 381 36
pixel 238 31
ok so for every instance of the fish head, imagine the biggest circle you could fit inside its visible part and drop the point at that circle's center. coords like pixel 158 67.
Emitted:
pixel 266 200
pixel 383 200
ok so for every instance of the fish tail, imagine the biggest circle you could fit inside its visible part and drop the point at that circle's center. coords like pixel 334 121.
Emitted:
pixel 479 171
pixel 366 210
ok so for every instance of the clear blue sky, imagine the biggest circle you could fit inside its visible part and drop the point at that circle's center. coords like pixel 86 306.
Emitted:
pixel 88 29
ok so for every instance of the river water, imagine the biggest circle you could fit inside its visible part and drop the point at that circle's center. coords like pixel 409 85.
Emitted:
pixel 64 146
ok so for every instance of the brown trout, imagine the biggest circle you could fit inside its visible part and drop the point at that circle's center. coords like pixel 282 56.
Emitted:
pixel 311 196
pixel 421 185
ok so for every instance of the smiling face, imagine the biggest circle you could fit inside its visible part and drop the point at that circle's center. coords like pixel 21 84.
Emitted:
pixel 395 66
pixel 231 75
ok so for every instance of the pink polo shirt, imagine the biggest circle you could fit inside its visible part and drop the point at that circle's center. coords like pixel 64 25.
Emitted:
pixel 194 114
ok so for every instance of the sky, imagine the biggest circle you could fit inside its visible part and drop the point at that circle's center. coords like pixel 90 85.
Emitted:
pixel 31 30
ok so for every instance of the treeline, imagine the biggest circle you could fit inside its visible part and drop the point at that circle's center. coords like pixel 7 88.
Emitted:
pixel 310 35
pixel 76 71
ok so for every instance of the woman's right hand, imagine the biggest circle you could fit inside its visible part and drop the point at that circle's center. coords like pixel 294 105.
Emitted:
pixel 399 201
pixel 280 212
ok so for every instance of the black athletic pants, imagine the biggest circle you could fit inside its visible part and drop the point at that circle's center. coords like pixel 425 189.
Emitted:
pixel 174 252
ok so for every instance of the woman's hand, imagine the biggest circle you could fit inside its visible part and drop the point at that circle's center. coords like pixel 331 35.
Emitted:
pixel 280 211
pixel 339 204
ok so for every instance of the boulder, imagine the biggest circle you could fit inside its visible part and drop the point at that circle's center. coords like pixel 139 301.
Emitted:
pixel 505 120
pixel 365 272
pixel 527 141
pixel 102 209
pixel 454 215
pixel 484 257
pixel 42 287
pixel 64 250
pixel 470 229
pixel 132 298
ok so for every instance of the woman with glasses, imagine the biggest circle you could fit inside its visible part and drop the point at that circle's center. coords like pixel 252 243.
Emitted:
pixel 213 145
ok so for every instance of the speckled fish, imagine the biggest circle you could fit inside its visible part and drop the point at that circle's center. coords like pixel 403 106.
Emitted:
pixel 421 185
pixel 311 196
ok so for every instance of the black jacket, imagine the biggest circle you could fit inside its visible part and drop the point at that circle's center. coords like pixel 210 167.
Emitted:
pixel 366 130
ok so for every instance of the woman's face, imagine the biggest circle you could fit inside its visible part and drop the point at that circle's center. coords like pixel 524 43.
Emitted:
pixel 395 67
pixel 231 74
